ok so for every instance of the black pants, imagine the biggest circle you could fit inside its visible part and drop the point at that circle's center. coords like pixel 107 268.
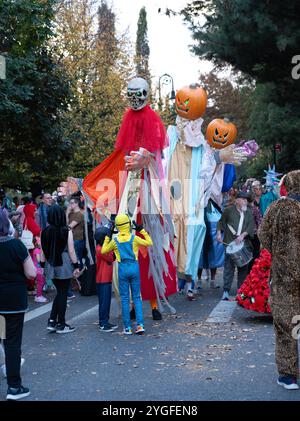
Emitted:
pixel 59 305
pixel 12 347
pixel 228 274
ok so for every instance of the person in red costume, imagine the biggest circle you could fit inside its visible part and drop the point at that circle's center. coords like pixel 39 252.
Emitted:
pixel 132 180
pixel 29 220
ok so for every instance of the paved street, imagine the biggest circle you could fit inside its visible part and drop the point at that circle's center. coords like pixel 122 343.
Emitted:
pixel 187 356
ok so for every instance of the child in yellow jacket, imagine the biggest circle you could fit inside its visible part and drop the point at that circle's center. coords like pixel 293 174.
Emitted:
pixel 126 246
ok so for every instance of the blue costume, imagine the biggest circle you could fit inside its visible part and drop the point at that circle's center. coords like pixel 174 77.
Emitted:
pixel 129 277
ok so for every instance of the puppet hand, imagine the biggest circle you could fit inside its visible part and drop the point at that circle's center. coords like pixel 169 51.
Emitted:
pixel 137 227
pixel 231 156
pixel 111 229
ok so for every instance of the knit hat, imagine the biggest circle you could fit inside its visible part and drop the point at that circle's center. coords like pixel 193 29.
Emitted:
pixel 242 195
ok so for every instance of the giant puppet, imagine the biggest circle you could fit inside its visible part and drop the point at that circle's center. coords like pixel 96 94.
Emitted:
pixel 192 164
pixel 219 134
pixel 131 180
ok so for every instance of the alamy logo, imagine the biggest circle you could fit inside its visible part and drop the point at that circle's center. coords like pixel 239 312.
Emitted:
pixel 296 69
pixel 296 329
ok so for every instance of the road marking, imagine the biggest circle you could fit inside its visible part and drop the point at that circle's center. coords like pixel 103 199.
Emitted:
pixel 222 312
pixel 38 312
pixel 47 308
pixel 84 314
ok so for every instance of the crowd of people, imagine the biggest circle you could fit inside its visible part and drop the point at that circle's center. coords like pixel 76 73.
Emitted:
pixel 55 252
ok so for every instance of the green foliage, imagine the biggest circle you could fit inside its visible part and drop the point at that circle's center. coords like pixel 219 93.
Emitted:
pixel 227 98
pixel 97 62
pixel 142 50
pixel 166 111
pixel 258 38
pixel 32 97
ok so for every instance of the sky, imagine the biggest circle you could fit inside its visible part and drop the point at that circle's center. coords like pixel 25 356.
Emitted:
pixel 169 39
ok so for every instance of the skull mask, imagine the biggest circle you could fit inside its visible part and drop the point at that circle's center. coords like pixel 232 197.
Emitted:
pixel 137 93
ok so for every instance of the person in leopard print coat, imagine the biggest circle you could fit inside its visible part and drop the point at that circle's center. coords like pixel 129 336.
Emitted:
pixel 279 233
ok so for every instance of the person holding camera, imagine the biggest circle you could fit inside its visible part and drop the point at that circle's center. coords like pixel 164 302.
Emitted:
pixel 126 247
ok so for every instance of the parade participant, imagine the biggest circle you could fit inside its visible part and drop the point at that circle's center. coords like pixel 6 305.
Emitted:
pixel 212 256
pixel 280 235
pixel 237 225
pixel 255 291
pixel 131 180
pixel 257 218
pixel 126 248
pixel 191 165
pixel 29 223
pixel 219 134
pixel 270 194
pixel 104 280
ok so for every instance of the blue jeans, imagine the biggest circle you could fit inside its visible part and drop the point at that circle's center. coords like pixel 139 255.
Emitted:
pixel 79 246
pixel 182 282
pixel 104 297
pixel 129 277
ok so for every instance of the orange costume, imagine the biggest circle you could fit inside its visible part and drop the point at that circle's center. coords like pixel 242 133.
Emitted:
pixel 132 180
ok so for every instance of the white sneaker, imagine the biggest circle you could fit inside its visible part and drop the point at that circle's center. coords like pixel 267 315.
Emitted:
pixel 40 299
pixel 3 367
pixel 199 284
pixel 61 329
pixel 225 296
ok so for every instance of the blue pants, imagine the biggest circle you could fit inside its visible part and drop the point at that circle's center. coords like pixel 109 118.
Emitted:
pixel 129 277
pixel 104 297
pixel 79 246
pixel 182 282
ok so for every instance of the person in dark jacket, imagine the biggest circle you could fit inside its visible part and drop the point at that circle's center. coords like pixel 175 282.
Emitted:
pixel 15 267
pixel 59 259
pixel 237 224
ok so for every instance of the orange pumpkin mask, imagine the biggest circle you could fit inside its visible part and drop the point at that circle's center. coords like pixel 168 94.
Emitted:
pixel 191 102
pixel 220 133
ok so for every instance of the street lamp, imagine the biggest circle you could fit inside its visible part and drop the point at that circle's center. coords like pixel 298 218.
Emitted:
pixel 166 79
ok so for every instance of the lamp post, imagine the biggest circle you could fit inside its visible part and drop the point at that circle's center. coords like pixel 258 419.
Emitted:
pixel 166 80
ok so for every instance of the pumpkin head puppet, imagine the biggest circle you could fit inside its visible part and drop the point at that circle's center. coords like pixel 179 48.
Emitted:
pixel 191 102
pixel 220 133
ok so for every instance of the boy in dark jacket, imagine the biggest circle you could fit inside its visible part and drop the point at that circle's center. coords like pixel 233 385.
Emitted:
pixel 104 281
